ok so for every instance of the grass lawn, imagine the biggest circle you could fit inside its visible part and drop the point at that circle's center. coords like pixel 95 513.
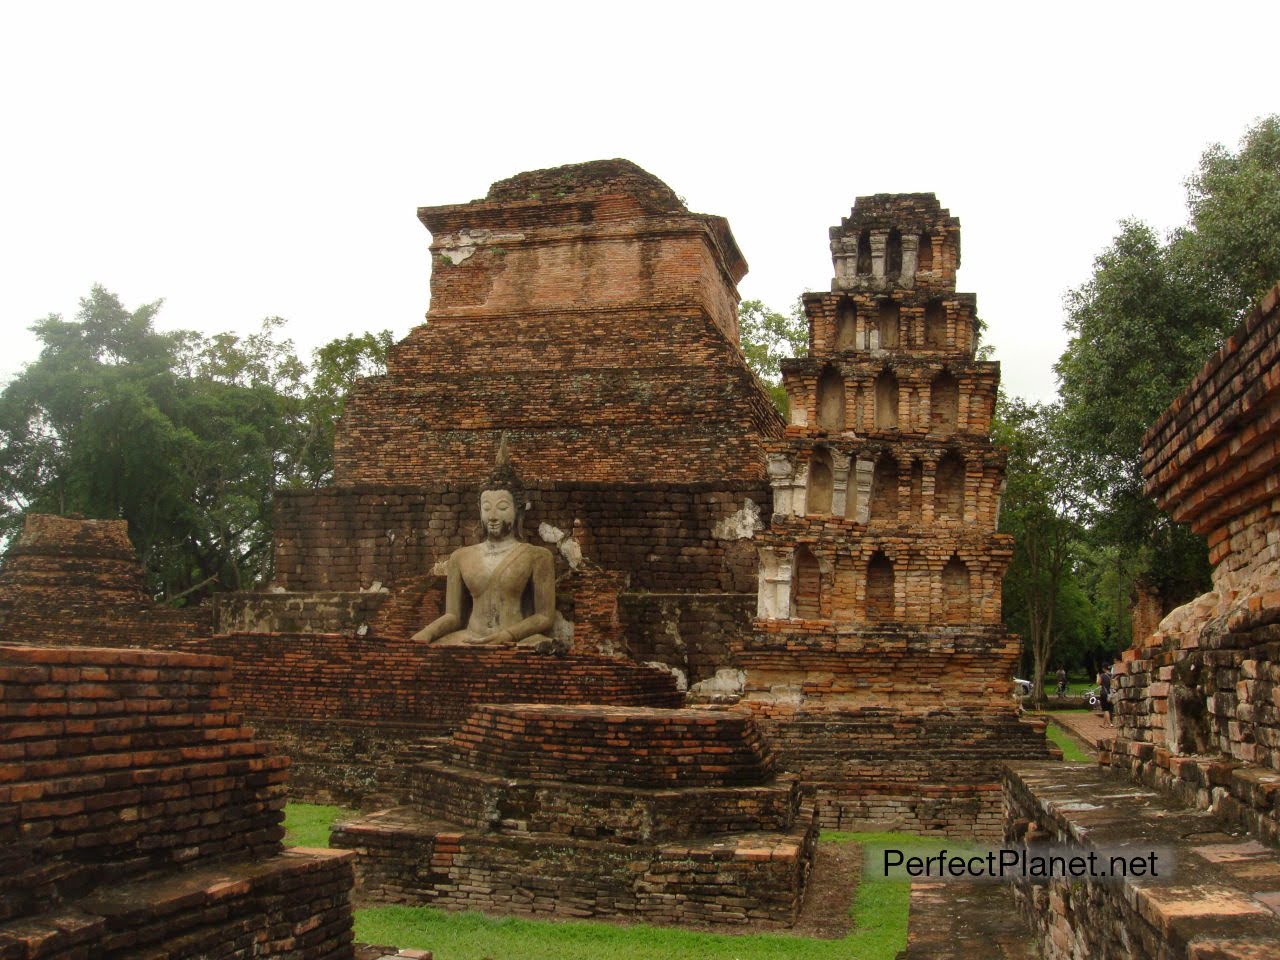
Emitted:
pixel 879 912
pixel 1071 749
pixel 307 824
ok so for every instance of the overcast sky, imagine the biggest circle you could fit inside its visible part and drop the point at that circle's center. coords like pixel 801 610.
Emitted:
pixel 241 160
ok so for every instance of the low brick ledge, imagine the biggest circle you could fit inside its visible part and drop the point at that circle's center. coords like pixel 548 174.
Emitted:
pixel 1223 902
pixel 755 847
pixel 119 920
pixel 756 877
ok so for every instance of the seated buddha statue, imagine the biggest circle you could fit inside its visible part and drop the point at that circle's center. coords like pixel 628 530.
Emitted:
pixel 500 591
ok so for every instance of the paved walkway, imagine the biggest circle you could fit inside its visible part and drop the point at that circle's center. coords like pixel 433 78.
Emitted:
pixel 1088 727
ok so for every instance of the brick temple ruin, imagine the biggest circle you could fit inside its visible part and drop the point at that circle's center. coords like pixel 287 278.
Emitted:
pixel 585 320
pixel 843 563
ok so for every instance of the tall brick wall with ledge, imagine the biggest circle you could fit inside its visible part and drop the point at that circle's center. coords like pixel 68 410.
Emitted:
pixel 878 662
pixel 665 816
pixel 139 817
pixel 1195 700
pixel 67 580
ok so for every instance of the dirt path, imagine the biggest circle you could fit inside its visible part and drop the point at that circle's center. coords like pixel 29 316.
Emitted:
pixel 1088 728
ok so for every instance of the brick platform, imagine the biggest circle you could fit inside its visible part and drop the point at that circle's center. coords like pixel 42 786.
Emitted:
pixel 588 811
pixel 599 744
pixel 312 695
pixel 139 818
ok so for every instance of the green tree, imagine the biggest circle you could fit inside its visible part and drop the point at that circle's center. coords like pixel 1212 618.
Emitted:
pixel 1040 508
pixel 185 437
pixel 768 338
pixel 1143 325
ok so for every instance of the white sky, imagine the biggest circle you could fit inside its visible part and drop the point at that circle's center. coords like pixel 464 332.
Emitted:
pixel 241 160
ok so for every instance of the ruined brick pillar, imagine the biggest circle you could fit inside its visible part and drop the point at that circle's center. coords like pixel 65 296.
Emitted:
pixel 878 654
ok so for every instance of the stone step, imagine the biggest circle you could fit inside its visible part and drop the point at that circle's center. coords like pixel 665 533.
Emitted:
pixel 298 898
pixel 966 921
pixel 1219 897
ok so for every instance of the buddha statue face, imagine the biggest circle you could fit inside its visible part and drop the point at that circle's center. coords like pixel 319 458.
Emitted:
pixel 497 514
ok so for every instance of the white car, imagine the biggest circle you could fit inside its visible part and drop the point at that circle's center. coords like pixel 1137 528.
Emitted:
pixel 1024 687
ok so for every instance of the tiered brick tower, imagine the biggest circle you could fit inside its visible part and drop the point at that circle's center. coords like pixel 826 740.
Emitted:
pixel 879 655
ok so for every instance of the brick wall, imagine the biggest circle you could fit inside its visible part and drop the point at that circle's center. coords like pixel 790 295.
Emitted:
pixel 695 633
pixel 1209 459
pixel 122 766
pixel 663 538
pixel 114 755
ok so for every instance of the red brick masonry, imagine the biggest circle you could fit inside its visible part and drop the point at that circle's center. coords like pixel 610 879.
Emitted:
pixel 122 766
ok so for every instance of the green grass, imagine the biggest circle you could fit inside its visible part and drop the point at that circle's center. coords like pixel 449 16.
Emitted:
pixel 307 824
pixel 1071 749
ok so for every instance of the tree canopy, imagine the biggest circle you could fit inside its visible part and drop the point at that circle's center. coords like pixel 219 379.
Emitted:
pixel 768 338
pixel 186 437
pixel 1143 325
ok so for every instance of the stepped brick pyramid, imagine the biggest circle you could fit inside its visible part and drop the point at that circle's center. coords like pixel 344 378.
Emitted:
pixel 878 662
pixel 67 580
pixel 589 316
pixel 666 816
pixel 138 818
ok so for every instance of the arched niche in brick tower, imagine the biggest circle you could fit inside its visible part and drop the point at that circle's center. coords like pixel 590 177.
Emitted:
pixel 948 488
pixel 884 490
pixel 846 325
pixel 831 400
pixel 880 605
pixel 924 254
pixel 935 324
pixel 955 591
pixel 864 253
pixel 887 319
pixel 821 484
pixel 886 400
pixel 944 402
pixel 806 585
pixel 893 255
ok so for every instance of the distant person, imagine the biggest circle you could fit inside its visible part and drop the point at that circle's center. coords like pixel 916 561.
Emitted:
pixel 1104 694
pixel 1062 682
